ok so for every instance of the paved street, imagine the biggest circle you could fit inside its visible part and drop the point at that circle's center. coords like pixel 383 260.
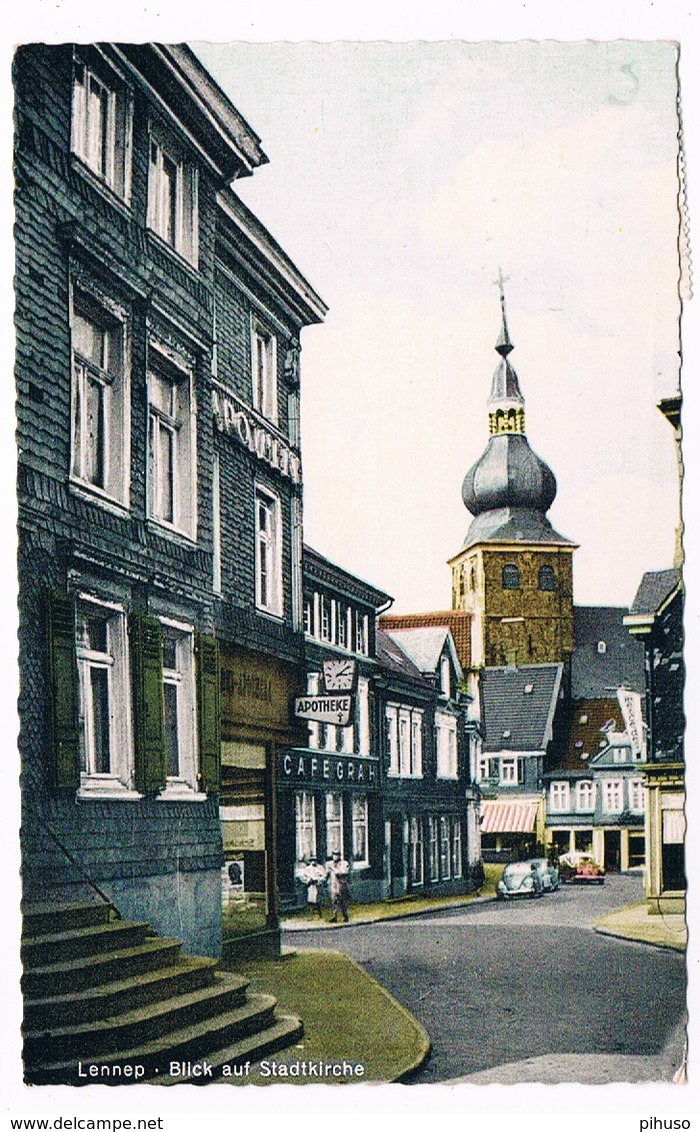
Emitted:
pixel 496 984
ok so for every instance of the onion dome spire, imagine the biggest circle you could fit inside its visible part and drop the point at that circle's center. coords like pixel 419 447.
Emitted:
pixel 506 403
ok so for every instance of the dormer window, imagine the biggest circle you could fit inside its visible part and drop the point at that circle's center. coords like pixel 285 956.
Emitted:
pixel 528 689
pixel 602 647
pixel 445 678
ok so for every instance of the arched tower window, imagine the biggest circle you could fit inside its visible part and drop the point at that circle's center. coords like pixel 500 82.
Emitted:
pixel 510 577
pixel 546 579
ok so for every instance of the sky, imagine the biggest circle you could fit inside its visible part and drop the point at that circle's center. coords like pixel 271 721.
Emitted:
pixel 402 177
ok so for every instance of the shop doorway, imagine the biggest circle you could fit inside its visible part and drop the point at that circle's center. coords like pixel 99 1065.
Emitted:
pixel 612 851
pixel 244 819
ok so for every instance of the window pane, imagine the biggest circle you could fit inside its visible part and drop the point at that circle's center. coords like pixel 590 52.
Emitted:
pixel 99 686
pixel 171 731
pixel 94 432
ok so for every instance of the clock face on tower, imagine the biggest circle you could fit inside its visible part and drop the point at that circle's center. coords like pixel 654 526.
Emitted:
pixel 339 675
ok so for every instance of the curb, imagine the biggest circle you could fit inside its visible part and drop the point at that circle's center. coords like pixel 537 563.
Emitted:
pixel 303 926
pixel 618 934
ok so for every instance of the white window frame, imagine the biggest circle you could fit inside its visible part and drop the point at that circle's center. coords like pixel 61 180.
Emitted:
pixel 360 831
pixel 433 849
pixel 613 795
pixel 263 363
pixel 415 848
pixel 304 827
pixel 559 797
pixel 637 795
pixel 110 375
pixel 183 784
pixel 445 848
pixel 510 770
pixel 118 780
pixel 392 718
pixel 404 743
pixel 334 823
pixel 269 583
pixel 416 743
pixel 585 795
pixel 101 124
pixel 445 677
pixel 446 745
pixel 361 633
pixel 457 859
pixel 173 209
pixel 172 421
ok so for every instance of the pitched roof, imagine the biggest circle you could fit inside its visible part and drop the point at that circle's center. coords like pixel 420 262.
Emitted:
pixel 457 620
pixel 519 706
pixel 654 588
pixel 596 670
pixel 584 737
pixel 392 657
pixel 425 646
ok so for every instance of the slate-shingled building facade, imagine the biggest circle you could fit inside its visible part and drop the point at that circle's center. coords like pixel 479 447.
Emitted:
pixel 159 483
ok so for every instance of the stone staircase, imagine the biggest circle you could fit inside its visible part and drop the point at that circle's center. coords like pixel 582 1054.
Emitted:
pixel 110 1002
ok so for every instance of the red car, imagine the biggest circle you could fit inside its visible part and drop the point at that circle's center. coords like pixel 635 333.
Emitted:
pixel 580 868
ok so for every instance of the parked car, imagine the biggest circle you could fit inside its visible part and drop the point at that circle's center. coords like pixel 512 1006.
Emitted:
pixel 580 868
pixel 548 873
pixel 519 878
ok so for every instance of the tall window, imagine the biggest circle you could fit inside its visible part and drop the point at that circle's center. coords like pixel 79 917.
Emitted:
pixel 103 672
pixel 360 832
pixel 264 372
pixel 101 127
pixel 546 579
pixel 392 719
pixel 415 847
pixel 445 676
pixel 171 448
pixel 341 634
pixel 404 743
pixel 334 824
pixel 433 849
pixel 585 795
pixel 445 849
pixel 179 708
pixel 559 797
pixel 510 577
pixel 636 795
pixel 268 552
pixel 456 847
pixel 405 738
pixel 613 795
pixel 100 432
pixel 512 770
pixel 417 744
pixel 305 813
pixel 172 196
pixel 361 634
pixel 446 741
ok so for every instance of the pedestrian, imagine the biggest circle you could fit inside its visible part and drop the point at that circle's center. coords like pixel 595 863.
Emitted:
pixel 313 875
pixel 339 886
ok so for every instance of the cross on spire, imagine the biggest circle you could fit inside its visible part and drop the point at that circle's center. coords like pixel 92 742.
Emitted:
pixel 504 344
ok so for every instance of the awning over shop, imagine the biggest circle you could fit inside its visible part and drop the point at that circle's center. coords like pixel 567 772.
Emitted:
pixel 508 817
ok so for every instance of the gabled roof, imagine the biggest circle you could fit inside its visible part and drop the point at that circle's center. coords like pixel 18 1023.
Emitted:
pixel 519 706
pixel 654 589
pixel 585 737
pixel 458 621
pixel 392 657
pixel 595 673
pixel 425 647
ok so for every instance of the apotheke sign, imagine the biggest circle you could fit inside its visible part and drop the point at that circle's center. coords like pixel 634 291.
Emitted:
pixel 239 421
pixel 325 709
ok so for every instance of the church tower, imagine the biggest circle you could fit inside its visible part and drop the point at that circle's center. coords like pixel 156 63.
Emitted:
pixel 514 572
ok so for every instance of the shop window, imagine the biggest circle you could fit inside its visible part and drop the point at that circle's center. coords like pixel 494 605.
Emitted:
pixel 100 394
pixel 636 850
pixel 510 577
pixel 334 824
pixel 172 480
pixel 101 126
pixel 104 698
pixel 415 847
pixel 305 826
pixel 172 196
pixel 456 847
pixel 268 552
pixel 546 579
pixel 264 366
pixel 559 797
pixel 360 832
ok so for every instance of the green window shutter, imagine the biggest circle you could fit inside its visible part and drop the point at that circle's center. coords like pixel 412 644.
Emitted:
pixel 149 712
pixel 208 717
pixel 64 691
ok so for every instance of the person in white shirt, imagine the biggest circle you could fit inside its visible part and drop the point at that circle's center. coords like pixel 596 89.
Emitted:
pixel 339 886
pixel 313 875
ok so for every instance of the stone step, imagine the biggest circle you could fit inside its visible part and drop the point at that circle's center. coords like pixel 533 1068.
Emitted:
pixel 154 1057
pixel 144 1024
pixel 96 970
pixel 45 919
pixel 43 950
pixel 284 1032
pixel 93 1003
